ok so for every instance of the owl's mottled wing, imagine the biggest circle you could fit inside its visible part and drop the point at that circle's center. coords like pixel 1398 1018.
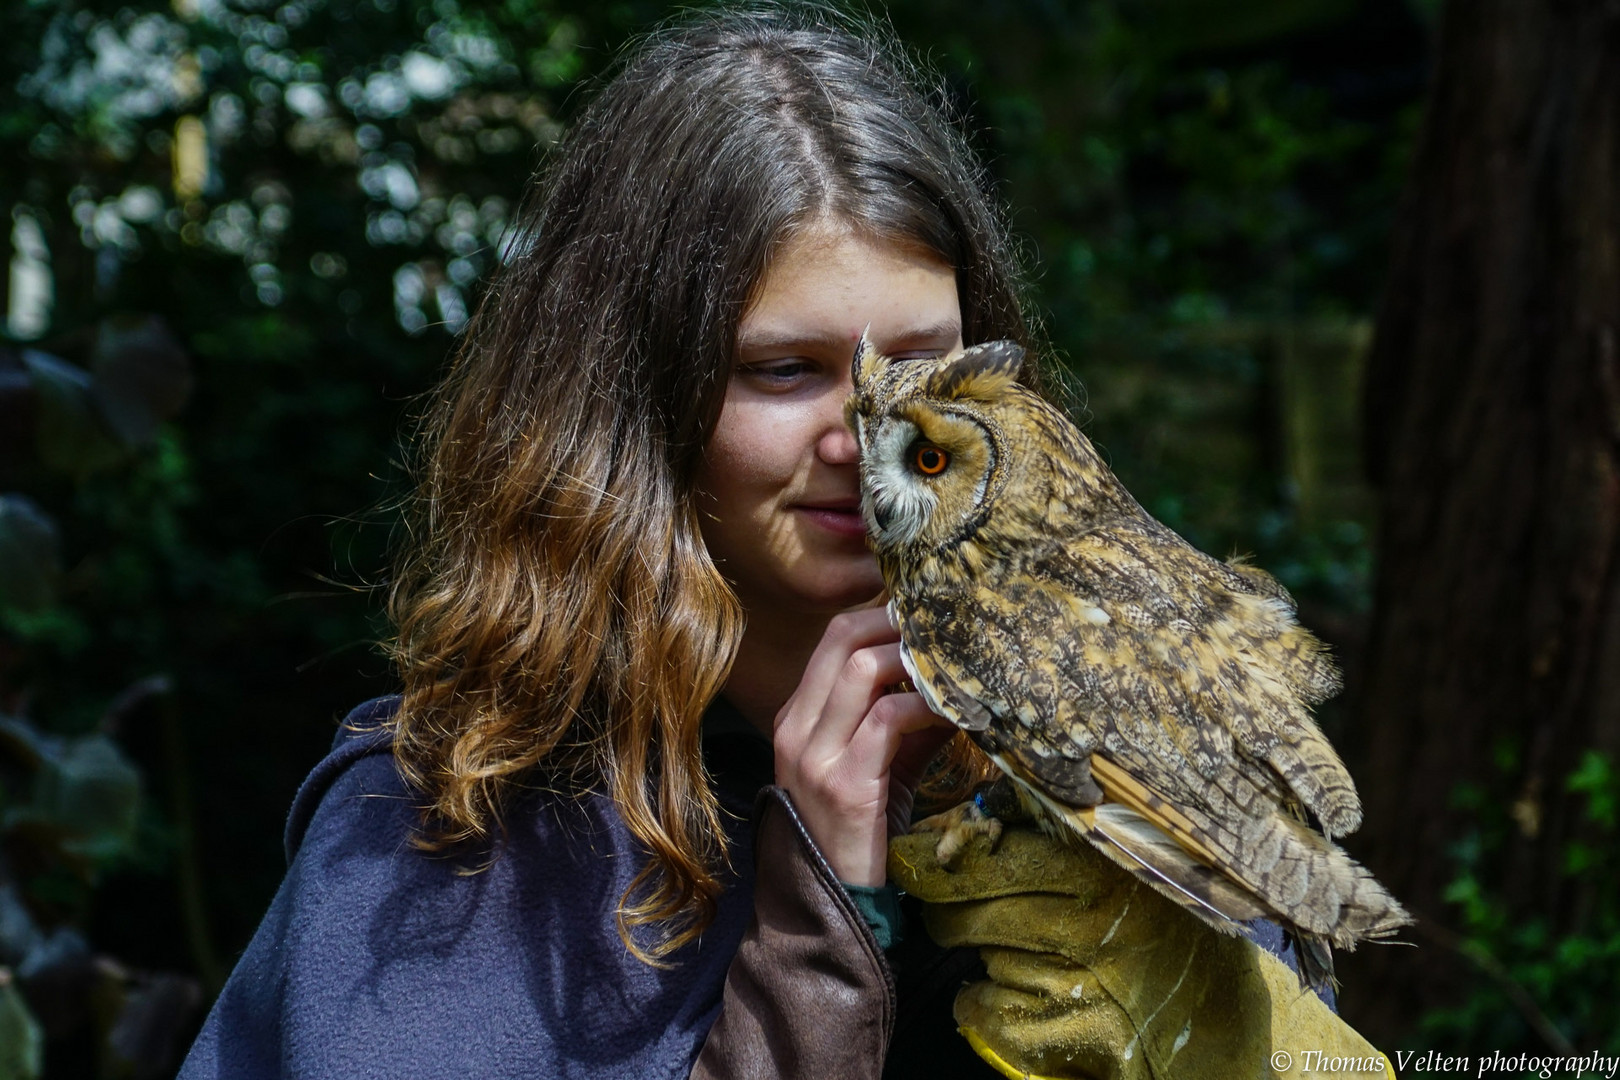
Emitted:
pixel 966 657
pixel 1043 746
pixel 1196 688
pixel 1127 668
pixel 1200 675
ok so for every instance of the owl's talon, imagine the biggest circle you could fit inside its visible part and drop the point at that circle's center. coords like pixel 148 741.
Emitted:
pixel 957 828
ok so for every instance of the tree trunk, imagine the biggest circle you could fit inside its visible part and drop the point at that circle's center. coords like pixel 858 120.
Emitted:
pixel 1493 430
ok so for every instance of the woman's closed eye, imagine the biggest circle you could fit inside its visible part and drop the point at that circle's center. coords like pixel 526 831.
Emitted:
pixel 784 372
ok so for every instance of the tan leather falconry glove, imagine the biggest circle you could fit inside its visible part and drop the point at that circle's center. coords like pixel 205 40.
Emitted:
pixel 1093 974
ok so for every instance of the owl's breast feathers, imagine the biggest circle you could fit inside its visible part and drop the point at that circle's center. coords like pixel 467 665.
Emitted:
pixel 1125 668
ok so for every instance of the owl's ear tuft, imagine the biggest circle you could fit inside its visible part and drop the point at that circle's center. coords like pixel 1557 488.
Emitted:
pixel 867 364
pixel 983 372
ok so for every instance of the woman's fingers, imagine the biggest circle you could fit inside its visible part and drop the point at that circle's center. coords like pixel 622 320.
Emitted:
pixel 891 720
pixel 860 687
pixel 846 634
pixel 838 737
pixel 861 762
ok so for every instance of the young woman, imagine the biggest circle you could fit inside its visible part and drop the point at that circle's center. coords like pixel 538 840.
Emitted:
pixel 629 815
pixel 635 591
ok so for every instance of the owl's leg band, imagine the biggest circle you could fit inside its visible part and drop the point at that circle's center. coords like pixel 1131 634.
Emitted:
pixel 998 798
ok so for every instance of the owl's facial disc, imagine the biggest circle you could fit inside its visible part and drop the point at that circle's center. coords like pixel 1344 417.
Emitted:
pixel 896 506
pixel 924 472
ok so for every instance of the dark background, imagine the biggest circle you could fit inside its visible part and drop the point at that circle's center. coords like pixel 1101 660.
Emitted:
pixel 1336 281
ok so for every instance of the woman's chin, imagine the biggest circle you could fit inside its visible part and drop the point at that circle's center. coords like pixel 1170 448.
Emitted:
pixel 822 594
pixel 857 593
pixel 810 587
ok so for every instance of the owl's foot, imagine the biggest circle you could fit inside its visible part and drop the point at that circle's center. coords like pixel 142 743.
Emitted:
pixel 957 828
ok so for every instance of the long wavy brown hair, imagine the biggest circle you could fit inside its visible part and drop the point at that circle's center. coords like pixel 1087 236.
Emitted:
pixel 559 619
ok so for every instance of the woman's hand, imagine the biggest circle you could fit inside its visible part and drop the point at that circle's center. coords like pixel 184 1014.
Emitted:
pixel 849 751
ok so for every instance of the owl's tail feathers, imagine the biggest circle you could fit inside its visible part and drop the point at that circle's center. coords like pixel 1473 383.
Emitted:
pixel 1293 873
pixel 1367 912
pixel 1209 894
pixel 1143 849
pixel 1364 909
pixel 1323 891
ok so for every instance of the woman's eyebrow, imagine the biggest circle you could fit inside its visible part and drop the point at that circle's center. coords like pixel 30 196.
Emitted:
pixel 771 338
pixel 945 330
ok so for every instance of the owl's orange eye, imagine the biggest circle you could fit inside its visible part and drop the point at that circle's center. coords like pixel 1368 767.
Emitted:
pixel 931 460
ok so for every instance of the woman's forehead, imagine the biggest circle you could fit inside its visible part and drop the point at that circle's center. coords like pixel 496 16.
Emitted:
pixel 828 283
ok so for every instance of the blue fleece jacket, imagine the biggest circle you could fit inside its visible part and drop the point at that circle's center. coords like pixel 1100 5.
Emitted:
pixel 376 960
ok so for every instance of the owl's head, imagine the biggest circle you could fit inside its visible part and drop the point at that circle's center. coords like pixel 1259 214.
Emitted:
pixel 955 448
pixel 933 440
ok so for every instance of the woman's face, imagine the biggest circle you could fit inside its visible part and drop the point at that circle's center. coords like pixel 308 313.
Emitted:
pixel 780 492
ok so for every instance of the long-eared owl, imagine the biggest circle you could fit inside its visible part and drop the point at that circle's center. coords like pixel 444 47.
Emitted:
pixel 1138 693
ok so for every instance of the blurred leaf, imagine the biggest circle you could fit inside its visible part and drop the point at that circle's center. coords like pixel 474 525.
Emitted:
pixel 55 977
pixel 25 744
pixel 141 377
pixel 1597 778
pixel 20 743
pixel 19 934
pixel 93 794
pixel 22 1045
pixel 84 790
pixel 64 950
pixel 59 951
pixel 73 437
pixel 30 554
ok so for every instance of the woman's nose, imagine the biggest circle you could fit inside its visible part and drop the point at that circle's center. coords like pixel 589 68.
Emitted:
pixel 837 444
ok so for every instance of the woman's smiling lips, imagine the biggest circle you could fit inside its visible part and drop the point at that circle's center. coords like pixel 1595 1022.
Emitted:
pixel 841 517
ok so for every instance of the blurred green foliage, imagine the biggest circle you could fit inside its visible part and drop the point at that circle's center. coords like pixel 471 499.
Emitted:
pixel 1206 190
pixel 72 811
pixel 1542 991
pixel 263 223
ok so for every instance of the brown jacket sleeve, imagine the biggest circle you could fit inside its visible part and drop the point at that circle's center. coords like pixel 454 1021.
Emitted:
pixel 809 993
